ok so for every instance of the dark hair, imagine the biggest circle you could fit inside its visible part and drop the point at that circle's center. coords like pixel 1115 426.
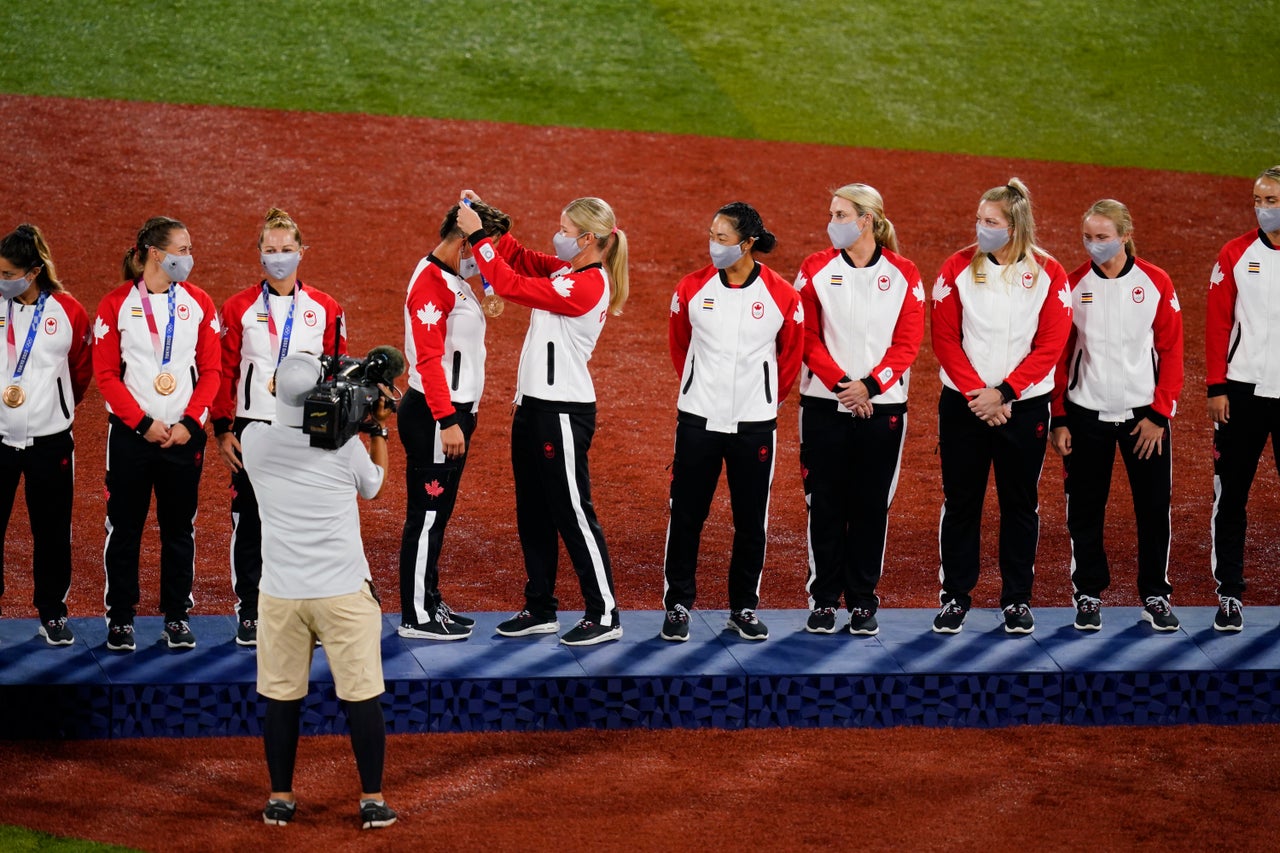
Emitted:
pixel 747 222
pixel 154 233
pixel 494 222
pixel 24 247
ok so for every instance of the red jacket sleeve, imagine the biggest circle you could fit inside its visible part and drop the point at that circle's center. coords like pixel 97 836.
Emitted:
pixel 816 355
pixel 208 360
pixel 1051 332
pixel 1058 400
pixel 429 303
pixel 790 340
pixel 572 294
pixel 679 329
pixel 945 332
pixel 1167 329
pixel 1220 317
pixel 336 322
pixel 232 319
pixel 80 355
pixel 908 331
pixel 106 359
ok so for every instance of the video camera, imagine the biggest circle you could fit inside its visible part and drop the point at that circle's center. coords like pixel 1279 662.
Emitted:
pixel 340 405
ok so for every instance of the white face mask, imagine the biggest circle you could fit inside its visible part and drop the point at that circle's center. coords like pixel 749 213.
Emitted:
pixel 468 267
pixel 12 288
pixel 1268 218
pixel 1103 250
pixel 178 267
pixel 723 257
pixel 992 239
pixel 843 234
pixel 280 265
pixel 566 246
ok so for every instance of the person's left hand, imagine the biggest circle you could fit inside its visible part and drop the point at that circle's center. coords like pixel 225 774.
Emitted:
pixel 468 219
pixel 989 405
pixel 1150 437
pixel 178 434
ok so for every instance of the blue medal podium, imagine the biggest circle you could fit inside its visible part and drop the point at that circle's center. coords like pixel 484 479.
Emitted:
pixel 1124 674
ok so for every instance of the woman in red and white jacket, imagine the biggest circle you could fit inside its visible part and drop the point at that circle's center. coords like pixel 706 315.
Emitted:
pixel 1242 370
pixel 736 335
pixel 1001 315
pixel 444 325
pixel 157 364
pixel 47 368
pixel 571 293
pixel 260 326
pixel 1117 384
pixel 863 324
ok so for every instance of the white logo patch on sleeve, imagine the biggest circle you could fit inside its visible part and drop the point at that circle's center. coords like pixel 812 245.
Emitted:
pixel 884 376
pixel 486 252
pixel 429 315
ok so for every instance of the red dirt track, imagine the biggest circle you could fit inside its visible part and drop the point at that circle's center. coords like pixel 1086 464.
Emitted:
pixel 368 193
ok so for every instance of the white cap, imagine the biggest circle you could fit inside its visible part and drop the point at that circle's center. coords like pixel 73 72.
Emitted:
pixel 295 377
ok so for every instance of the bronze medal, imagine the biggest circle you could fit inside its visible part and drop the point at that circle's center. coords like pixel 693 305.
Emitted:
pixel 492 305
pixel 165 384
pixel 14 396
pixel 271 386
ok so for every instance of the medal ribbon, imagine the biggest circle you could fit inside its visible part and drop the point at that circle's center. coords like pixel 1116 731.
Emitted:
pixel 271 321
pixel 31 336
pixel 145 296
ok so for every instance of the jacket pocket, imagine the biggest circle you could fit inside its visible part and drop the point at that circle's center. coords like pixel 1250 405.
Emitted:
pixel 551 363
pixel 689 381
pixel 768 388
pixel 62 400
pixel 456 376
pixel 1075 371
pixel 248 385
pixel 1234 343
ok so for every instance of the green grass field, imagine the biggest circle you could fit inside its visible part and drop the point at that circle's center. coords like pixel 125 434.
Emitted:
pixel 1168 86
pixel 14 840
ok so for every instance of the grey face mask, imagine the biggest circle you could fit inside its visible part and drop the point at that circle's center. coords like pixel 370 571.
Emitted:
pixel 992 239
pixel 1268 218
pixel 178 267
pixel 566 246
pixel 723 257
pixel 843 234
pixel 1103 250
pixel 280 265
pixel 468 267
pixel 11 288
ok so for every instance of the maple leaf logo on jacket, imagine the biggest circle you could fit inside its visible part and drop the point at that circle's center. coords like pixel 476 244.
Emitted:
pixel 100 329
pixel 1064 296
pixel 1215 278
pixel 941 290
pixel 918 291
pixel 434 488
pixel 563 285
pixel 1173 302
pixel 429 315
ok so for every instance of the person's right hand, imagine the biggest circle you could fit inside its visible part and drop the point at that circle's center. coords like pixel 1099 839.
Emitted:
pixel 1219 409
pixel 453 442
pixel 229 451
pixel 1060 438
pixel 158 432
pixel 468 220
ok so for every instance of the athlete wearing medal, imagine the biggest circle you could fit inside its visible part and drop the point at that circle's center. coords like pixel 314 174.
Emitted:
pixel 156 328
pixel 45 373
pixel 261 325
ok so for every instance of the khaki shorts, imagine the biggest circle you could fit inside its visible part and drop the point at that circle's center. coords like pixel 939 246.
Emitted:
pixel 349 626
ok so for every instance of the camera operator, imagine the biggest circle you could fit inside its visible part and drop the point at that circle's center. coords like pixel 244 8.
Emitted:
pixel 316 584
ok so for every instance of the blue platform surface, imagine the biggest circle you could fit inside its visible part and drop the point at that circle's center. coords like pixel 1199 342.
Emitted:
pixel 1127 673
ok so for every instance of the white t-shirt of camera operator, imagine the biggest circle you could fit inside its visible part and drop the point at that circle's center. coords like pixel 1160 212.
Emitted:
pixel 311 546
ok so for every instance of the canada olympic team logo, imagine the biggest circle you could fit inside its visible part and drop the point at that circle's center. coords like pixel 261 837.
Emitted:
pixel 183 312
pixel 51 326
pixel 883 282
pixel 757 310
pixel 309 317
pixel 1028 280
pixel 1139 294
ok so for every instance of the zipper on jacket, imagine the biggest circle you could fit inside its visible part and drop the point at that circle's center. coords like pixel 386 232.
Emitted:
pixel 457 369
pixel 768 391
pixel 248 384
pixel 688 382
pixel 1231 352
pixel 62 400
pixel 551 363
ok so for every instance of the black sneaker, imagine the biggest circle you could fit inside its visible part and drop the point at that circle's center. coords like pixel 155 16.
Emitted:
pixel 178 635
pixel 747 624
pixel 950 618
pixel 1158 612
pixel 862 621
pixel 375 814
pixel 675 626
pixel 1230 615
pixel 1018 619
pixel 247 632
pixel 455 618
pixel 525 623
pixel 57 632
pixel 822 620
pixel 120 637
pixel 1088 613
pixel 440 628
pixel 278 812
pixel 588 633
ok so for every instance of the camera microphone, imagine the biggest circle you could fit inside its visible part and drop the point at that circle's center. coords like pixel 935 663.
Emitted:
pixel 384 364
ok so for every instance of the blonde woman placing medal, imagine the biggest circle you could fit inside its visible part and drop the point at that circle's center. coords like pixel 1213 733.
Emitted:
pixel 157 363
pixel 261 325
pixel 45 373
